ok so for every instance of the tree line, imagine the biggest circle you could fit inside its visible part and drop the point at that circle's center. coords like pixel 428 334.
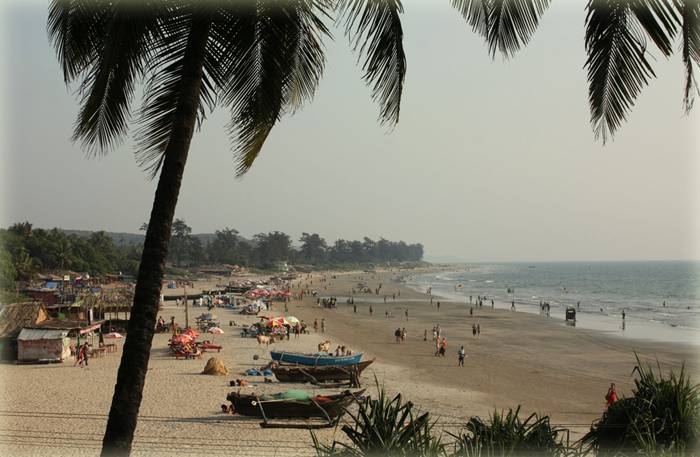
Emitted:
pixel 265 250
pixel 26 250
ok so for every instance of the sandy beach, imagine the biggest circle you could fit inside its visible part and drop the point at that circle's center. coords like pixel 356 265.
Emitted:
pixel 519 359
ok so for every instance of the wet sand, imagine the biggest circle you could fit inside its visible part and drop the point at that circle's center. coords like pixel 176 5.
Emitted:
pixel 519 358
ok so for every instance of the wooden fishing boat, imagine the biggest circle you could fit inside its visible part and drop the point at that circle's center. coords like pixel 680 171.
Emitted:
pixel 319 374
pixel 320 406
pixel 314 359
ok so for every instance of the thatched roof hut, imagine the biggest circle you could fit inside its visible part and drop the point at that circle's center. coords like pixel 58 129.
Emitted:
pixel 13 318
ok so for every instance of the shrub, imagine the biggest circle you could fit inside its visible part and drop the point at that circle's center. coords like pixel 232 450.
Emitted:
pixel 661 418
pixel 508 435
pixel 385 427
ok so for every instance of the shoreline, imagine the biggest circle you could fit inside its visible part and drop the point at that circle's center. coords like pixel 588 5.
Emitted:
pixel 635 328
pixel 520 358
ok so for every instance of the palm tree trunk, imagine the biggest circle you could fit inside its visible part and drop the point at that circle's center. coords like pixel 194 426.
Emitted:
pixel 131 376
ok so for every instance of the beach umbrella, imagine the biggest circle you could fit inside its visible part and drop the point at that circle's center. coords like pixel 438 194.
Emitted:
pixel 280 321
pixel 113 335
pixel 215 331
pixel 292 320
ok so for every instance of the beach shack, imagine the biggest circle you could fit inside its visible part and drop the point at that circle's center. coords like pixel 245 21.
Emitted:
pixel 13 318
pixel 43 345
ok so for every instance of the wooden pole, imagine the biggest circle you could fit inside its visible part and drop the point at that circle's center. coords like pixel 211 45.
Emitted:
pixel 187 311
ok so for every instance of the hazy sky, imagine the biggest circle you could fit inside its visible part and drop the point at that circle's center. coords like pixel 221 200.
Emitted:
pixel 492 160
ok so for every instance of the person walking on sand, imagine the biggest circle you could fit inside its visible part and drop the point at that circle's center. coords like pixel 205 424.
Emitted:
pixel 316 325
pixel 83 357
pixel 460 357
pixel 438 306
pixel 404 334
pixel 354 308
pixel 406 312
pixel 425 334
pixel 474 330
pixel 512 305
pixel 478 330
pixel 397 335
pixel 611 396
pixel 371 311
pixel 323 325
pixel 443 347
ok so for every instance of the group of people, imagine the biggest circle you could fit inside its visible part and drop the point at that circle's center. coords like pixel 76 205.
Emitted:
pixel 480 301
pixel 343 351
pixel 441 347
pixel 323 325
pixel 327 302
pixel 400 334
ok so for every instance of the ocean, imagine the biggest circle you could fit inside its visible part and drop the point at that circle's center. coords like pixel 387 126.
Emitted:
pixel 602 291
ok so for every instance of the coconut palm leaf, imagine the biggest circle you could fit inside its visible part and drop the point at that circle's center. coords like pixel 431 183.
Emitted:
pixel 690 47
pixel 659 20
pixel 110 65
pixel 476 13
pixel 76 29
pixel 617 64
pixel 279 62
pixel 375 32
pixel 511 24
pixel 164 87
pixel 506 25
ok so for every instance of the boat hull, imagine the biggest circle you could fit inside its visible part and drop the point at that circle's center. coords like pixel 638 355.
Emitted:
pixel 314 360
pixel 327 373
pixel 287 409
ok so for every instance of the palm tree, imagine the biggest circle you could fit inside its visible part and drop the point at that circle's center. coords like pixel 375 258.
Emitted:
pixel 262 59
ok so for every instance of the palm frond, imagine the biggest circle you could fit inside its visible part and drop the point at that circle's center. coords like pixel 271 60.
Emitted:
pixel 166 85
pixel 511 24
pixel 108 85
pixel 690 48
pixel 659 20
pixel 476 13
pixel 277 60
pixel 75 28
pixel 257 93
pixel 375 32
pixel 617 64
pixel 309 54
pixel 506 25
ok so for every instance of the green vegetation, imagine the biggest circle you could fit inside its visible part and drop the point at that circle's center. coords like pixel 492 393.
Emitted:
pixel 25 250
pixel 508 435
pixel 384 426
pixel 662 418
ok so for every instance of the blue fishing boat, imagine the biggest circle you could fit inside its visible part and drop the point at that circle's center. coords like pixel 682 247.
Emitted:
pixel 320 358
